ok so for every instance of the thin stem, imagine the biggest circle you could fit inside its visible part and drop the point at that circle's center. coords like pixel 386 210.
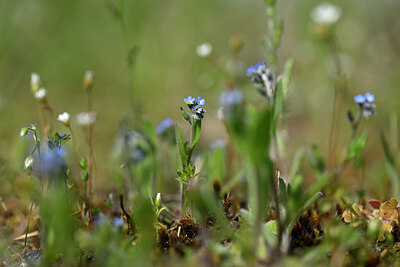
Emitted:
pixel 76 152
pixel 27 226
pixel 354 128
pixel 91 154
pixel 340 85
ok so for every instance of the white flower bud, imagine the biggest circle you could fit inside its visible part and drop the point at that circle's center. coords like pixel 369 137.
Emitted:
pixel 88 79
pixel 35 82
pixel 158 201
pixel 29 163
pixel 24 132
pixel 204 50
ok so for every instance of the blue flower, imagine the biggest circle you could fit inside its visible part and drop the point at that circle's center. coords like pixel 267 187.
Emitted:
pixel 118 222
pixel 229 98
pixel 164 126
pixel 198 109
pixel 366 104
pixel 200 101
pixel 190 101
pixel 255 68
pixel 64 135
pixel 369 97
pixel 359 99
pixel 53 163
pixel 263 78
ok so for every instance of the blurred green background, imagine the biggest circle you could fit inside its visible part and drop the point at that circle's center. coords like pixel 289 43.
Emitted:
pixel 60 40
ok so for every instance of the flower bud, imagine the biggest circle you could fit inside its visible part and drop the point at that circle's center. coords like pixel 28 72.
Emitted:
pixel 236 43
pixel 29 161
pixel 185 115
pixel 88 79
pixel 24 132
pixel 35 82
pixel 158 201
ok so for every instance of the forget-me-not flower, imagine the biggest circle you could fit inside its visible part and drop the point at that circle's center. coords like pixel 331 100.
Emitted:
pixel 366 104
pixel 359 99
pixel 195 106
pixel 263 78
pixel 190 101
pixel 200 101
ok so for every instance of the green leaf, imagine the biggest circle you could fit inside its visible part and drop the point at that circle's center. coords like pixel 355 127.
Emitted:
pixel 302 209
pixel 277 105
pixel 181 180
pixel 316 159
pixel 296 163
pixel 181 146
pixel 83 163
pixel 357 146
pixel 85 177
pixel 273 225
pixel 287 76
pixel 196 131
pixel 282 191
pixel 391 167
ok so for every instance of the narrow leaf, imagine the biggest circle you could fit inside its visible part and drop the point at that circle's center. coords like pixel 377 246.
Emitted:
pixel 180 146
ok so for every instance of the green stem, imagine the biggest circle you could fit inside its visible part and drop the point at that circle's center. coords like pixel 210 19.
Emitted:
pixel 27 226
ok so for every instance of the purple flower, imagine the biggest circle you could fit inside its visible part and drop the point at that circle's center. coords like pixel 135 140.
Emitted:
pixel 359 99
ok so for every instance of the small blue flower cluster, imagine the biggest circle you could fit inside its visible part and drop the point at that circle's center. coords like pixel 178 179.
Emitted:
pixel 366 104
pixel 195 105
pixel 263 78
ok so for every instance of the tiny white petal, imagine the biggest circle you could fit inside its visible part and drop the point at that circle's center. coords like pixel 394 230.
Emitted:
pixel 40 94
pixel 204 50
pixel 86 118
pixel 64 117
pixel 326 13
pixel 35 78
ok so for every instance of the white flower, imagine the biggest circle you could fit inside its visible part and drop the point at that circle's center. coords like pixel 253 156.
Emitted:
pixel 204 50
pixel 326 13
pixel 35 81
pixel 86 118
pixel 40 94
pixel 64 118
